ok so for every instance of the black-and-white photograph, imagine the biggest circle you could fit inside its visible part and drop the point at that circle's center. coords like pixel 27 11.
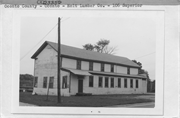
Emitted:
pixel 88 61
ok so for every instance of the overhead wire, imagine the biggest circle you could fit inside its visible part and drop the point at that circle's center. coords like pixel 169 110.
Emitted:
pixel 38 42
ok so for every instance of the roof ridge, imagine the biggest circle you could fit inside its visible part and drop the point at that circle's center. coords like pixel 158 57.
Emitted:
pixel 86 50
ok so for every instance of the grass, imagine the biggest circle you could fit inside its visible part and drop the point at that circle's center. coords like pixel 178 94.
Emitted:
pixel 82 101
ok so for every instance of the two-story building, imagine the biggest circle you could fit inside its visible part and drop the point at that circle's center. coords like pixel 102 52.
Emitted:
pixel 85 71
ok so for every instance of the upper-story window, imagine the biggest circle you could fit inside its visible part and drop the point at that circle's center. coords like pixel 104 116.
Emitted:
pixel 128 70
pixel 91 66
pixel 102 67
pixel 112 68
pixel 79 64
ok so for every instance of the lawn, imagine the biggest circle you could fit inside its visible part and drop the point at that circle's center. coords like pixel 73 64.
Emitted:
pixel 82 101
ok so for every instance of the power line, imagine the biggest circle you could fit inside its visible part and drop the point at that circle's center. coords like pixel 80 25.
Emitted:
pixel 145 55
pixel 37 43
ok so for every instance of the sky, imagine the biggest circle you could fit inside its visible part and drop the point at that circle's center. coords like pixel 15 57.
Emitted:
pixel 133 36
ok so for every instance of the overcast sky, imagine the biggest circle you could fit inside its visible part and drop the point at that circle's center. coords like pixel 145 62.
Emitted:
pixel 134 36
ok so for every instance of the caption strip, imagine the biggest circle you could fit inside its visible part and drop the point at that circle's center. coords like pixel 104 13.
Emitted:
pixel 58 4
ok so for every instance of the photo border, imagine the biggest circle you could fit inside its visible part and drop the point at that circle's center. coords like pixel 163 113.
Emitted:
pixel 86 111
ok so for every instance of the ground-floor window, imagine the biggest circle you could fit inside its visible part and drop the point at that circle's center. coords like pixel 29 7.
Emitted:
pixel 125 83
pixel 35 81
pixel 45 82
pixel 137 84
pixel 112 82
pixel 64 82
pixel 106 82
pixel 131 83
pixel 91 81
pixel 51 81
pixel 119 82
pixel 100 81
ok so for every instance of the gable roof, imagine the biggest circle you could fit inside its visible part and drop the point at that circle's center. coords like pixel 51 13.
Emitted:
pixel 87 55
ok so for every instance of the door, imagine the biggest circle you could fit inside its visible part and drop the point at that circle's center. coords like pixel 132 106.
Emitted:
pixel 80 86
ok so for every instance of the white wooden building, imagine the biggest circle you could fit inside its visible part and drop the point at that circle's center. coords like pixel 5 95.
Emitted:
pixel 85 71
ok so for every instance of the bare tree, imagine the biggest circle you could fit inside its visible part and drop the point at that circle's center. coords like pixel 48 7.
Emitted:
pixel 102 46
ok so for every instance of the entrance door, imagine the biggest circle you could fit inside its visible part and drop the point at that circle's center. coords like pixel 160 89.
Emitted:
pixel 80 86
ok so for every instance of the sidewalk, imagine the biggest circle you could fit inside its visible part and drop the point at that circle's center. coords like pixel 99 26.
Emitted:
pixel 138 105
pixel 25 104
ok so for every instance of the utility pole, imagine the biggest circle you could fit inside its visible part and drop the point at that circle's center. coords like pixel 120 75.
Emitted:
pixel 59 64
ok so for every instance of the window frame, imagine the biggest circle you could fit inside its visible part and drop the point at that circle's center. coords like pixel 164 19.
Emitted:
pixel 112 82
pixel 35 82
pixel 91 81
pixel 45 82
pixel 51 83
pixel 131 83
pixel 128 71
pixel 125 82
pixel 112 68
pixel 119 82
pixel 91 66
pixel 100 83
pixel 78 64
pixel 102 67
pixel 64 82
pixel 137 83
pixel 106 82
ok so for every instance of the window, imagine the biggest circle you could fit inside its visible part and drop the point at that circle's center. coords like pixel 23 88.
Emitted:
pixel 79 64
pixel 100 81
pixel 102 67
pixel 90 81
pixel 131 83
pixel 137 83
pixel 128 70
pixel 106 82
pixel 91 66
pixel 119 82
pixel 112 68
pixel 64 82
pixel 125 83
pixel 112 82
pixel 45 82
pixel 51 81
pixel 35 81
